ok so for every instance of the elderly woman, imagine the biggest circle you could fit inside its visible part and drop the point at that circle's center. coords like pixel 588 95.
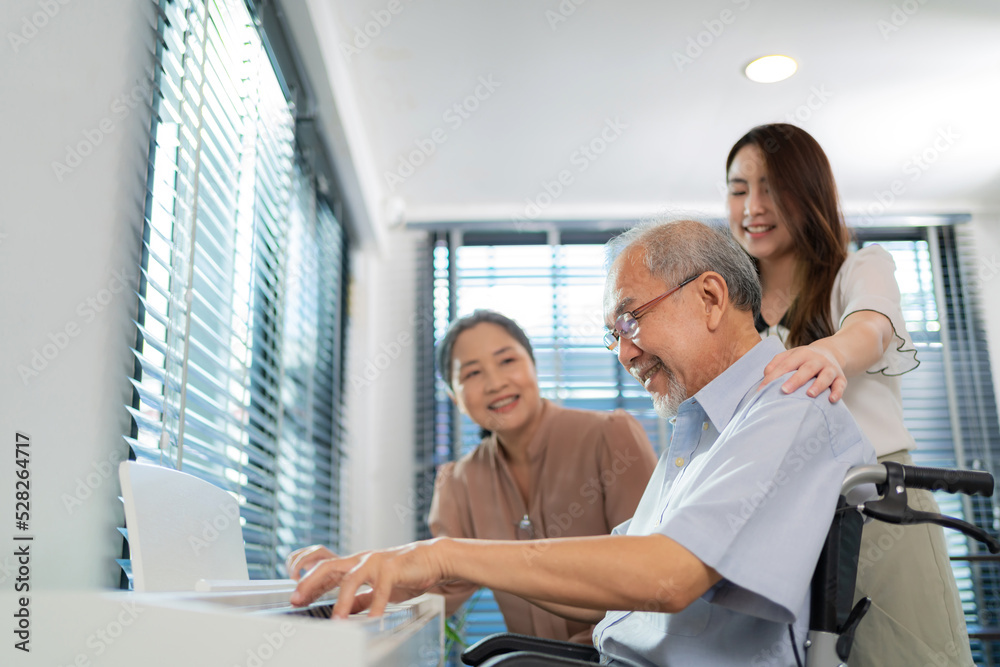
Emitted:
pixel 541 470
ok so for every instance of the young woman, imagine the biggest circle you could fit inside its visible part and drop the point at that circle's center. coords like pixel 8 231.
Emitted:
pixel 840 317
pixel 540 471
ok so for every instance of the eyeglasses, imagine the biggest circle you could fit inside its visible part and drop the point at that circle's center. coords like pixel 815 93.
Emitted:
pixel 627 324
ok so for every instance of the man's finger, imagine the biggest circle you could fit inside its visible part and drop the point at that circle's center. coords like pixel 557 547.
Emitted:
pixel 362 601
pixel 292 563
pixel 379 599
pixel 305 559
pixel 349 585
pixel 294 558
pixel 322 578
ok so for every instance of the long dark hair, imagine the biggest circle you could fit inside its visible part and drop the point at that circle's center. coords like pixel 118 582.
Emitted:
pixel 805 197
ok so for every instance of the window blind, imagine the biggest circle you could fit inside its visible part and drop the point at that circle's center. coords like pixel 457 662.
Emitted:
pixel 237 374
pixel 555 293
pixel 974 426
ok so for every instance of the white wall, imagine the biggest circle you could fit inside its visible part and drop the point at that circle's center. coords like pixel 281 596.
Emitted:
pixel 68 246
pixel 380 385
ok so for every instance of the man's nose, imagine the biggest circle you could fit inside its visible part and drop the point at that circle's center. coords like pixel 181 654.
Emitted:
pixel 627 351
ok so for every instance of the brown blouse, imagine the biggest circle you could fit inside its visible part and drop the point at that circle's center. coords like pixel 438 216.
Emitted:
pixel 589 471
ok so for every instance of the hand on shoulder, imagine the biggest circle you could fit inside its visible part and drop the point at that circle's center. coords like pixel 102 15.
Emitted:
pixel 816 361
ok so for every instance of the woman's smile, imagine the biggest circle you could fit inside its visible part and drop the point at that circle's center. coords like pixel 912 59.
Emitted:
pixel 505 404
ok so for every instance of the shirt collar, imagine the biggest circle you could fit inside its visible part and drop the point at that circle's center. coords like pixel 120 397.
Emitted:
pixel 721 397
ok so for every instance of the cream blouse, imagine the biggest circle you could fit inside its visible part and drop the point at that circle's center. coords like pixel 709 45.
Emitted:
pixel 867 281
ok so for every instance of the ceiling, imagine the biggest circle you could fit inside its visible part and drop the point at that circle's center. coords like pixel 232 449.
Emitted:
pixel 904 96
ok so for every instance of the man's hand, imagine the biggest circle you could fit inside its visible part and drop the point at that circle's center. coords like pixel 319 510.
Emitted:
pixel 394 575
pixel 816 360
pixel 305 559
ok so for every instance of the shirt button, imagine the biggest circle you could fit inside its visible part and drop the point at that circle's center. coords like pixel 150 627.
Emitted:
pixel 679 461
pixel 704 426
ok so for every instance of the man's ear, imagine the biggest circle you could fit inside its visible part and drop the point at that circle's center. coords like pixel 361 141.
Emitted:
pixel 715 296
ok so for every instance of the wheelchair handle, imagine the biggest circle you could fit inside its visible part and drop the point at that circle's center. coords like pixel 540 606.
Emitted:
pixel 970 482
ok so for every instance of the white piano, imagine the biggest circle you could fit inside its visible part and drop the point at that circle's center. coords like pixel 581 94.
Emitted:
pixel 126 629
pixel 194 605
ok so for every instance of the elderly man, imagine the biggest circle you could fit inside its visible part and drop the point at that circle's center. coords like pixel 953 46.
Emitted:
pixel 715 566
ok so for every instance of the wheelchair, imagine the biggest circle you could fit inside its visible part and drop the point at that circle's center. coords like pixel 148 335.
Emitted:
pixel 832 618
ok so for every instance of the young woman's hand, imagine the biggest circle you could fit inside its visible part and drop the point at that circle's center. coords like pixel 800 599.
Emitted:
pixel 816 360
pixel 861 341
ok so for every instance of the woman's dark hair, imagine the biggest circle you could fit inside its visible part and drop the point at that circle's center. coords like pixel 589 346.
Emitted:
pixel 805 197
pixel 444 348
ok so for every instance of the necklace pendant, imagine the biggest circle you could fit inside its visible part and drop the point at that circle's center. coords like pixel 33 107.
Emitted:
pixel 526 526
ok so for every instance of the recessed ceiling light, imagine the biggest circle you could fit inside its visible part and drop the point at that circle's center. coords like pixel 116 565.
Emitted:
pixel 771 69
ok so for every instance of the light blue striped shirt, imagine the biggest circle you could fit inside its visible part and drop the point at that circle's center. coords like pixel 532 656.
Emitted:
pixel 748 484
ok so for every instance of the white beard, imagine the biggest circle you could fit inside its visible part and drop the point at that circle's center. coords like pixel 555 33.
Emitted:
pixel 666 406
